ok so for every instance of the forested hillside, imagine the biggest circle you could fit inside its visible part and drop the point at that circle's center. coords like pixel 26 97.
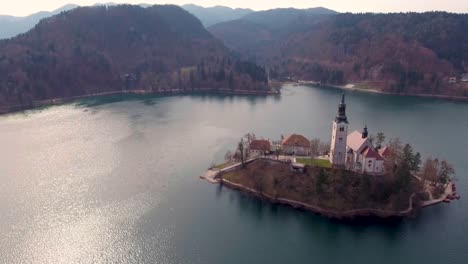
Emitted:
pixel 101 49
pixel 11 26
pixel 398 53
pixel 216 14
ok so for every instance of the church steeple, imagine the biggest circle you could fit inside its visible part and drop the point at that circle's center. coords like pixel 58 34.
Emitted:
pixel 339 136
pixel 341 116
pixel 365 133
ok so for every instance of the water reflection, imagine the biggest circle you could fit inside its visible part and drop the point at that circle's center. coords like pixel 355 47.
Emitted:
pixel 119 182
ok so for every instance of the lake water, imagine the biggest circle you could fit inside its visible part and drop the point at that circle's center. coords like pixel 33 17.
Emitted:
pixel 116 181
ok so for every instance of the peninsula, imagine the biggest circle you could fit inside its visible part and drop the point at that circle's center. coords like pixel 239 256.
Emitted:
pixel 356 175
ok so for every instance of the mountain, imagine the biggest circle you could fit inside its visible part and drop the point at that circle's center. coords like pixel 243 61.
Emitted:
pixel 252 34
pixel 213 15
pixel 11 26
pixel 91 50
pixel 284 17
pixel 405 53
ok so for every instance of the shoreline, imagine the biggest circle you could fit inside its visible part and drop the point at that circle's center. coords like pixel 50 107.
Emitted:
pixel 349 214
pixel 355 89
pixel 212 176
pixel 63 100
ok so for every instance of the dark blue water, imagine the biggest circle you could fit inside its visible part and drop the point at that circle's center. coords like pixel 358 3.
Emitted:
pixel 118 182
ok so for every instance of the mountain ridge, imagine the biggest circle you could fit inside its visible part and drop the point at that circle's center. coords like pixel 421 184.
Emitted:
pixel 402 53
pixel 92 50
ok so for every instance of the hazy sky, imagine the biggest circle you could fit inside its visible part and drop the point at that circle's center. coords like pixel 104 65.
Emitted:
pixel 26 7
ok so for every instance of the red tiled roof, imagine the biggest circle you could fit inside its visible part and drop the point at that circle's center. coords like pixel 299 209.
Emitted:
pixel 355 140
pixel 384 151
pixel 296 141
pixel 260 144
pixel 371 153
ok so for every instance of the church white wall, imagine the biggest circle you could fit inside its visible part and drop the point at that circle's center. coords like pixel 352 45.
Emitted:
pixel 338 143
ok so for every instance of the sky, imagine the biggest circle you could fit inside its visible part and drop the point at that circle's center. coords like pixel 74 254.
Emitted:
pixel 26 7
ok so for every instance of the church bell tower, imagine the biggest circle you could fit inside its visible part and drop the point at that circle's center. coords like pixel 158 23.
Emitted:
pixel 339 136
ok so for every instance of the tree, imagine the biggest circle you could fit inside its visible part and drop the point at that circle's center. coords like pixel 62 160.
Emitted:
pixel 445 172
pixel 249 137
pixel 429 171
pixel 396 148
pixel 416 163
pixel 314 147
pixel 324 148
pixel 240 148
pixel 437 171
pixel 322 179
pixel 228 156
pixel 371 138
pixel 380 139
pixel 404 164
pixel 277 153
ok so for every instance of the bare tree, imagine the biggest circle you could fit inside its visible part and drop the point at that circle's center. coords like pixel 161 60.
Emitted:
pixel 395 154
pixel 277 153
pixel 324 148
pixel 249 137
pixel 314 147
pixel 228 156
pixel 429 171
pixel 240 148
pixel 437 171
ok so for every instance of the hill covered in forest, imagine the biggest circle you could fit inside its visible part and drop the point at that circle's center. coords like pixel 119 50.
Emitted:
pixel 91 50
pixel 216 14
pixel 403 53
pixel 11 26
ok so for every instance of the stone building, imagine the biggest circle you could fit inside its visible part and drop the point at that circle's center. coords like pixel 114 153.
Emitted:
pixel 259 147
pixel 354 151
pixel 296 145
pixel 339 136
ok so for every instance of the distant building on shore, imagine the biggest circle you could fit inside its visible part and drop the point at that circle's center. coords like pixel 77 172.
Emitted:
pixel 353 151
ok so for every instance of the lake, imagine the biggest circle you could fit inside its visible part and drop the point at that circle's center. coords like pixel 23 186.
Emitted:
pixel 116 180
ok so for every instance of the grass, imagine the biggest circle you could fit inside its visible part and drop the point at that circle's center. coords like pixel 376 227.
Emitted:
pixel 222 166
pixel 315 162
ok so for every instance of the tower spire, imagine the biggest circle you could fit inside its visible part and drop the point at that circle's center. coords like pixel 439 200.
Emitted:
pixel 341 116
pixel 365 132
pixel 339 139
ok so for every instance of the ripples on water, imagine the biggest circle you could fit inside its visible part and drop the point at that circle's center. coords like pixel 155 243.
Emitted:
pixel 116 181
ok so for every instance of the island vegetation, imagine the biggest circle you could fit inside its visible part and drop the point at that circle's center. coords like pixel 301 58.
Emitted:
pixel 407 184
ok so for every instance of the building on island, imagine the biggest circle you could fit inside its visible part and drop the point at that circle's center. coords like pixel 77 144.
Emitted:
pixel 464 77
pixel 384 152
pixel 276 145
pixel 339 134
pixel 296 145
pixel 353 151
pixel 361 155
pixel 259 147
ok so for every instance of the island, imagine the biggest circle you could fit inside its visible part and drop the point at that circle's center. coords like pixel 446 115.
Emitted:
pixel 355 175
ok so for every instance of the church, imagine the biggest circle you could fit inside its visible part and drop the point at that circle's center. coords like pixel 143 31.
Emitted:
pixel 353 151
